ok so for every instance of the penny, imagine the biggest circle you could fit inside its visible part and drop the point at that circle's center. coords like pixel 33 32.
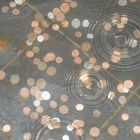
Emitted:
pixel 63 109
pixel 60 17
pixel 24 93
pixel 105 65
pixel 53 105
pixel 5 9
pixel 37 30
pixel 50 56
pixel 26 110
pixel 128 84
pixel 41 83
pixel 36 61
pixel 42 66
pixel 64 98
pixel 45 120
pixel 73 4
pixel 45 24
pixel 56 11
pixel 120 88
pixel 14 79
pixel 40 109
pixel 27 136
pixel 46 36
pixel 94 132
pixel 36 50
pixel 2 75
pixel 136 33
pixel 92 60
pixel 78 34
pixel 75 53
pixel 86 47
pixel 65 8
pixel 125 117
pixel 32 36
pixel 107 26
pixel 15 12
pixel 113 130
pixel 51 71
pixel 34 115
pixel 136 130
pixel 122 100
pixel 34 89
pixel 77 124
pixel 79 132
pixel 12 4
pixel 59 60
pixel 55 123
pixel 65 24
pixel 34 24
pixel 78 60
pixel 29 54
pixel 55 27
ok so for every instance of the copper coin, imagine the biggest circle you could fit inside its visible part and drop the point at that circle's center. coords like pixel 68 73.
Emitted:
pixel 75 53
pixel 78 60
pixel 60 17
pixel 34 24
pixel 34 89
pixel 120 88
pixel 45 120
pixel 55 123
pixel 78 34
pixel 41 83
pixel 4 9
pixel 29 54
pixel 34 115
pixel 2 75
pixel 53 105
pixel 45 23
pixel 125 117
pixel 79 132
pixel 105 65
pixel 59 60
pixel 27 136
pixel 36 61
pixel 64 109
pixel 77 124
pixel 15 12
pixel 51 71
pixel 40 109
pixel 113 130
pixel 73 4
pixel 32 36
pixel 92 60
pixel 26 110
pixel 24 93
pixel 12 4
pixel 107 26
pixel 136 33
pixel 136 129
pixel 86 47
pixel 42 66
pixel 65 24
pixel 50 56
pixel 94 132
pixel 14 79
pixel 65 8
pixel 37 30
pixel 122 100
pixel 35 49
pixel 56 11
pixel 46 37
pixel 128 84
pixel 64 98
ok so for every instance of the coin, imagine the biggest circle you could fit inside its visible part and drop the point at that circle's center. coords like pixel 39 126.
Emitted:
pixel 128 84
pixel 79 132
pixel 105 65
pixel 41 83
pixel 4 9
pixel 34 24
pixel 27 136
pixel 42 66
pixel 64 109
pixel 75 53
pixel 73 4
pixel 78 60
pixel 45 120
pixel 15 12
pixel 136 129
pixel 86 47
pixel 2 75
pixel 92 60
pixel 51 71
pixel 113 130
pixel 78 34
pixel 64 98
pixel 79 107
pixel 65 24
pixel 120 88
pixel 96 113
pixel 65 8
pixel 55 123
pixel 53 105
pixel 26 110
pixel 34 115
pixel 14 79
pixel 29 54
pixel 6 128
pixel 24 93
pixel 125 117
pixel 94 132
pixel 40 109
pixel 35 49
pixel 107 26
pixel 59 60
pixel 122 100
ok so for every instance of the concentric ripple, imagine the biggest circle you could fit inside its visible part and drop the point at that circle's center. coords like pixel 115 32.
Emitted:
pixel 88 87
pixel 117 38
